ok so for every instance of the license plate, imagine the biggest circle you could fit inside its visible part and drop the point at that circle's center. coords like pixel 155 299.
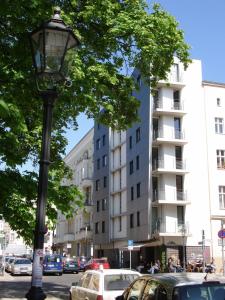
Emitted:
pixel 71 265
pixel 23 269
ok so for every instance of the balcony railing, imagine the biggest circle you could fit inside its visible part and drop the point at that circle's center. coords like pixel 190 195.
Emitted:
pixel 169 135
pixel 171 227
pixel 169 195
pixel 173 164
pixel 177 105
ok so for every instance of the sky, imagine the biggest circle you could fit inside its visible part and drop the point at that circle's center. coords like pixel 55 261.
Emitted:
pixel 203 23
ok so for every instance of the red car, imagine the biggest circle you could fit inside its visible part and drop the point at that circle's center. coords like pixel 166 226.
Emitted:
pixel 95 263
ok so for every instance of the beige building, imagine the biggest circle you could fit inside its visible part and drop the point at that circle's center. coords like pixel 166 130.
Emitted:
pixel 74 236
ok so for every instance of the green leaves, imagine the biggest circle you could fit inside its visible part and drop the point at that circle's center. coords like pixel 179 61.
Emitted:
pixel 116 36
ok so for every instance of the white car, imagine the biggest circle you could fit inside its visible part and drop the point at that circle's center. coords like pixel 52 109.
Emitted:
pixel 105 284
pixel 21 266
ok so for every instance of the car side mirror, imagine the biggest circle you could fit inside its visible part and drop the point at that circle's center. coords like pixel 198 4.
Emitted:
pixel 121 297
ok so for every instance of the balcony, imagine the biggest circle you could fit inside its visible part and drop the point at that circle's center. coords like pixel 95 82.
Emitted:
pixel 171 136
pixel 68 237
pixel 170 196
pixel 176 109
pixel 170 228
pixel 174 166
pixel 86 181
pixel 174 80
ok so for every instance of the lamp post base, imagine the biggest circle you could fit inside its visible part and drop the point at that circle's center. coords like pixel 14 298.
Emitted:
pixel 35 293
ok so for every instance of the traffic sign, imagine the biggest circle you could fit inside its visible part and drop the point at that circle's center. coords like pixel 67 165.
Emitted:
pixel 221 233
pixel 130 244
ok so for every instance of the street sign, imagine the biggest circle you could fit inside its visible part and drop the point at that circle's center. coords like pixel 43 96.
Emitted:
pixel 221 233
pixel 130 244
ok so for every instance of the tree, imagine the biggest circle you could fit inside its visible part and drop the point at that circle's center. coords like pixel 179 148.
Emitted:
pixel 116 36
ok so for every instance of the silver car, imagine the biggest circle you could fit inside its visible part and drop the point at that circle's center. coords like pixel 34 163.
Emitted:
pixel 21 266
pixel 176 286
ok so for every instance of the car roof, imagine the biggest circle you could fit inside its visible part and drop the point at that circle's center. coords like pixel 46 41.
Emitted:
pixel 113 271
pixel 181 279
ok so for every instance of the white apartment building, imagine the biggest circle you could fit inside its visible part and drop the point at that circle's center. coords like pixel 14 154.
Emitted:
pixel 74 236
pixel 161 184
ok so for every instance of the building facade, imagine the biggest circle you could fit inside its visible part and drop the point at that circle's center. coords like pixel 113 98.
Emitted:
pixel 160 184
pixel 74 236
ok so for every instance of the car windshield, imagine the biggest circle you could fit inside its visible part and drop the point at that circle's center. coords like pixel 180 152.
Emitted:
pixel 118 281
pixel 53 259
pixel 206 291
pixel 22 262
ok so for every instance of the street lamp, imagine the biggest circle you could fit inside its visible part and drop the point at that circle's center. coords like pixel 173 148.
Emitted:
pixel 49 45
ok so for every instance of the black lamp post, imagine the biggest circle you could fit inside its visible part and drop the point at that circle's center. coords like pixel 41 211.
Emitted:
pixel 49 44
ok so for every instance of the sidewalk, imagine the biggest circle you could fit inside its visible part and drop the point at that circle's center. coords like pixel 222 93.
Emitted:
pixel 9 278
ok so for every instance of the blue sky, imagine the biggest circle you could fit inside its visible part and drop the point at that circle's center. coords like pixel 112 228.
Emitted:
pixel 203 23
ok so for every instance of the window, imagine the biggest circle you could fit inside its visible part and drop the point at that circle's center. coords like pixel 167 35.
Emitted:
pixel 132 193
pixel 96 227
pixel 138 190
pixel 136 289
pixel 220 159
pixel 105 181
pixel 97 144
pixel 104 160
pixel 218 102
pixel 97 185
pixel 138 218
pixel 103 140
pixel 131 220
pixel 222 197
pixel 138 135
pixel 131 167
pixel 137 162
pixel 130 142
pixel 98 163
pixel 104 204
pixel 139 80
pixel 98 206
pixel 103 226
pixel 219 126
pixel 120 223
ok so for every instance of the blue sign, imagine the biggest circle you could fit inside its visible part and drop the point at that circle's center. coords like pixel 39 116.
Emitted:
pixel 130 243
pixel 221 233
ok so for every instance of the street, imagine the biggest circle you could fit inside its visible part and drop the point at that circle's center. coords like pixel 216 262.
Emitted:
pixel 55 286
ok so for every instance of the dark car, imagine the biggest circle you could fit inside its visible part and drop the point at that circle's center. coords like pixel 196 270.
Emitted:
pixel 53 264
pixel 70 265
pixel 176 286
pixel 82 260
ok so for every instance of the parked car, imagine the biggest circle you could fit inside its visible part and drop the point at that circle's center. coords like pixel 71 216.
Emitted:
pixel 53 264
pixel 21 266
pixel 176 286
pixel 8 264
pixel 82 260
pixel 102 284
pixel 70 265
pixel 94 264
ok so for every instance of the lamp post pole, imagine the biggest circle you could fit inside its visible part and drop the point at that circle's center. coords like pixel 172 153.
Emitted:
pixel 50 43
pixel 36 292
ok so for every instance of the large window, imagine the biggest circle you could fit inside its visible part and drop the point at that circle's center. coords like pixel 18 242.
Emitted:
pixel 131 220
pixel 104 201
pixel 97 144
pixel 104 160
pixel 105 181
pixel 137 162
pixel 138 218
pixel 98 205
pixel 131 167
pixel 132 193
pixel 220 159
pixel 219 125
pixel 138 190
pixel 138 135
pixel 97 227
pixel 97 185
pixel 222 196
pixel 103 226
